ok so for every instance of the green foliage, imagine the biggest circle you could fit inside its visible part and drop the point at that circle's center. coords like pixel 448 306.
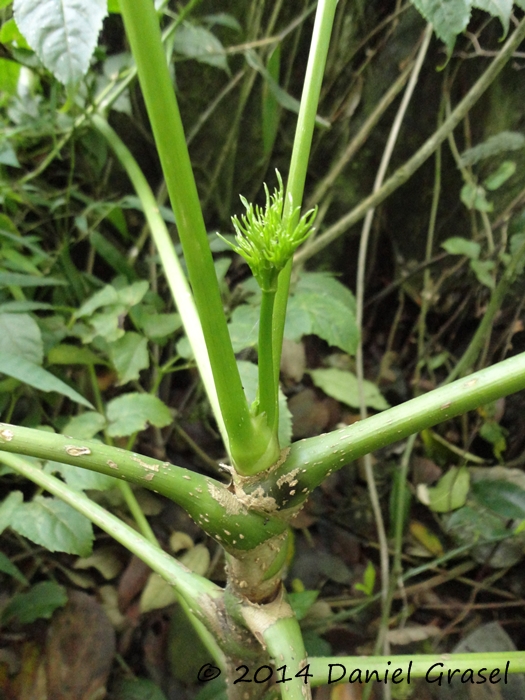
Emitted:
pixel 502 497
pixel 65 40
pixel 131 413
pixel 40 601
pixel 342 386
pixel 493 146
pixel 54 525
pixel 451 490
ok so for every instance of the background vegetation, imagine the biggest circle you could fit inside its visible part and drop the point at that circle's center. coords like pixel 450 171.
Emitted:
pixel 86 311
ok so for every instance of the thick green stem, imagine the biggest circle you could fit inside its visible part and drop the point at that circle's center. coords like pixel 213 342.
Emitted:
pixel 208 502
pixel 310 461
pixel 268 392
pixel 248 441
pixel 324 20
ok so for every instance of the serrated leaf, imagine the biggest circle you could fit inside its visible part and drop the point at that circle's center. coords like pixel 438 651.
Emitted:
pixel 449 17
pixel 499 143
pixel 63 33
pixel 130 356
pixel 8 507
pixel 461 246
pixel 497 8
pixel 451 491
pixel 157 326
pixel 199 43
pixel 131 413
pixel 39 602
pixel 249 378
pixel 37 377
pixel 81 479
pixel 500 496
pixel 85 426
pixel 7 567
pixel 342 386
pixel 501 175
pixel 54 525
pixel 20 336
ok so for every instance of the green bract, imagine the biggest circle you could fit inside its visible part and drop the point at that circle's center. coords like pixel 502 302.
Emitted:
pixel 266 239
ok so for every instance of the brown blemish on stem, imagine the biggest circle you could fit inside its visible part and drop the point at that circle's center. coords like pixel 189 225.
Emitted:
pixel 74 451
pixel 112 464
pixel 150 467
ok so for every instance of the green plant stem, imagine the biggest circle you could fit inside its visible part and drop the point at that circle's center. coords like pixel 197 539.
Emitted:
pixel 421 663
pixel 207 501
pixel 313 459
pixel 136 512
pixel 248 443
pixel 324 20
pixel 268 387
pixel 406 171
pixel 483 331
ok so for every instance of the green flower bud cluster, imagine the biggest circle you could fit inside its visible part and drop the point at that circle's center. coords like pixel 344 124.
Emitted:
pixel 266 240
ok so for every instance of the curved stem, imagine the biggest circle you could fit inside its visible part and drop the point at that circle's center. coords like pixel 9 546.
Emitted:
pixel 313 459
pixel 208 501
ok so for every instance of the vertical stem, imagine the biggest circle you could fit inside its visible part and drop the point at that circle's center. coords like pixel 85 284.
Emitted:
pixel 142 29
pixel 268 395
pixel 324 20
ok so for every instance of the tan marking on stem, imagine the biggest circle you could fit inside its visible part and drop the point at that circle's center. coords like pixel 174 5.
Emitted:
pixel 446 405
pixel 471 382
pixel 112 464
pixel 185 476
pixel 6 435
pixel 150 467
pixel 227 500
pixel 149 476
pixel 74 451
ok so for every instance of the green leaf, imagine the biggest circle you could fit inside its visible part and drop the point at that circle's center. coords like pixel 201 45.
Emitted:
pixel 199 43
pixel 81 479
pixel 8 507
pixel 7 567
pixel 369 579
pixel 39 602
pixel 54 525
pixel 37 377
pixel 499 143
pixel 342 386
pixel 461 246
pixel 62 33
pixel 9 75
pixel 85 426
pixel 449 17
pixel 10 34
pixel 497 8
pixel 106 296
pixel 451 491
pixel 301 602
pixel 501 175
pixel 473 197
pixel 131 413
pixel 330 320
pixel 249 378
pixel 244 327
pixel 500 496
pixel 130 356
pixel 20 336
pixel 65 354
pixel 482 270
pixel 156 326
pixel 16 279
